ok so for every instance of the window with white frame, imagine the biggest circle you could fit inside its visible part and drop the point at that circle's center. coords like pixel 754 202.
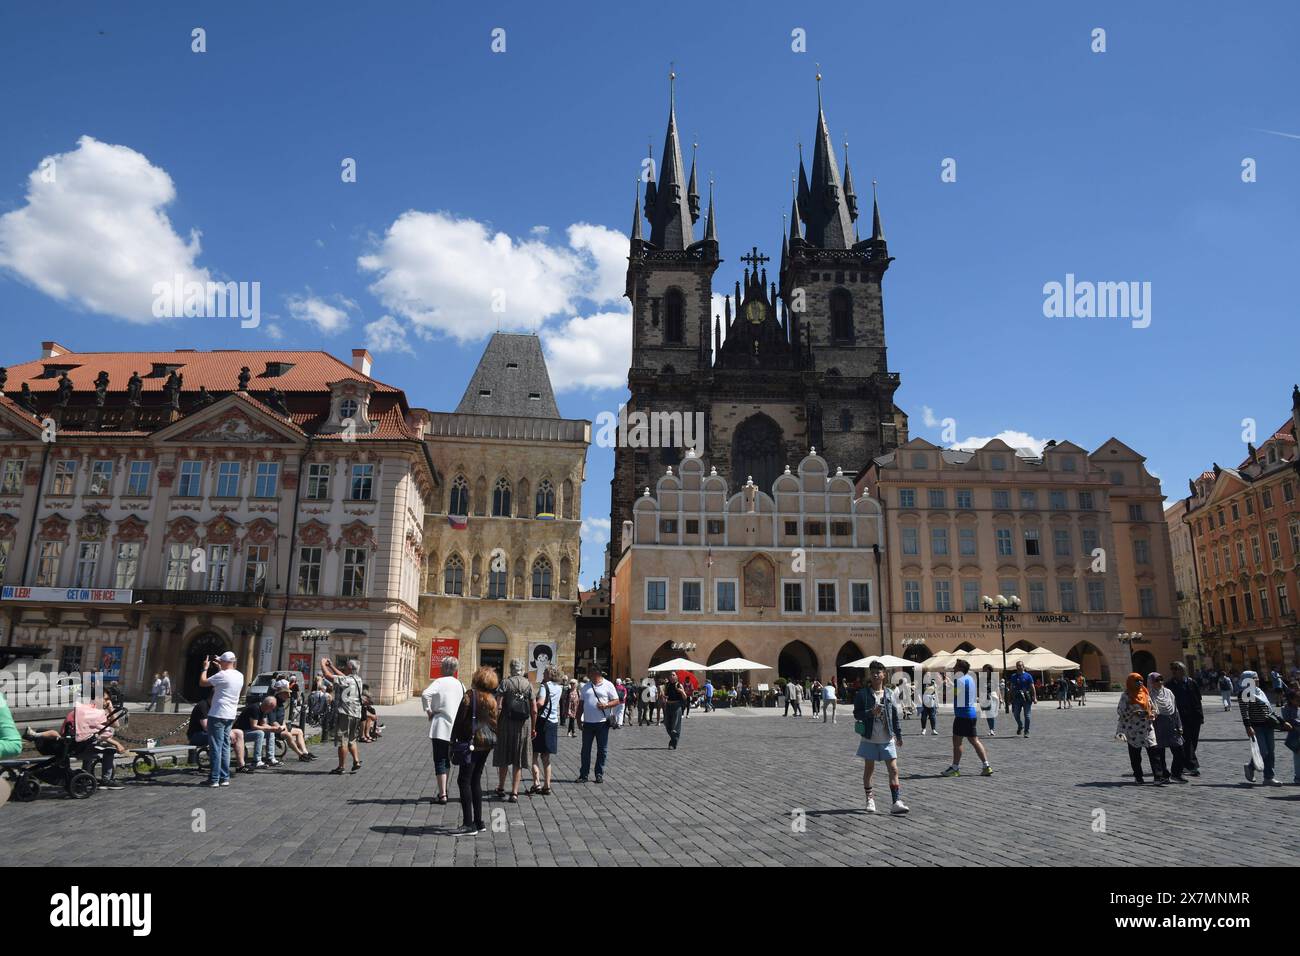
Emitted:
pixel 453 575
pixel 47 564
pixel 911 540
pixel 1003 538
pixel 724 596
pixel 907 497
pixel 792 597
pixel 127 566
pixel 178 567
pixel 827 597
pixel 970 595
pixel 1096 596
pixel 12 482
pixel 318 481
pixel 1142 551
pixel 1274 545
pixel 101 478
pixel 363 479
pixel 1056 500
pixel 87 564
pixel 1061 542
pixel 1147 602
pixel 943 596
pixel 266 479
pixel 257 565
pixel 1085 501
pixel 542 576
pixel 459 503
pixel 966 542
pixel 911 595
pixel 218 566
pixel 64 479
pixel 692 596
pixel 860 595
pixel 1037 596
pixel 1066 592
pixel 137 478
pixel 938 541
pixel 1002 500
pixel 1033 547
pixel 190 483
pixel 309 565
pixel 228 479
pixel 656 594
pixel 354 572
pixel 965 499
pixel 938 497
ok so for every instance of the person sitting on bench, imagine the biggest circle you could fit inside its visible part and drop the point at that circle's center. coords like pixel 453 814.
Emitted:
pixel 197 732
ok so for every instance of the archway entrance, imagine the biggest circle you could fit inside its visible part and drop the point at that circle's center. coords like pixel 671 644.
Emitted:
pixel 492 644
pixel 918 653
pixel 1092 664
pixel 208 642
pixel 797 661
pixel 724 651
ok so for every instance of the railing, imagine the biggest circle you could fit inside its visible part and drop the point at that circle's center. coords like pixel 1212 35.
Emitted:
pixel 188 598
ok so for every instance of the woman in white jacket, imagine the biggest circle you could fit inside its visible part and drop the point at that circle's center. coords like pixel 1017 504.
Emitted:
pixel 441 702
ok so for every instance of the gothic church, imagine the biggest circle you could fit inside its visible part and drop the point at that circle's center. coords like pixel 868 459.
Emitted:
pixel 793 364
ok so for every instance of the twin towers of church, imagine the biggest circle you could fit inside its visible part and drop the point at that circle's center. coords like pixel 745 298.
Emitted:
pixel 788 365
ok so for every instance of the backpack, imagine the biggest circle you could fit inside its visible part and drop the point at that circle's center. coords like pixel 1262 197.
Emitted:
pixel 518 703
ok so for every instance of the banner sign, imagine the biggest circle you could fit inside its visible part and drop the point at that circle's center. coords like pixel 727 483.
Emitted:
pixel 77 595
pixel 441 647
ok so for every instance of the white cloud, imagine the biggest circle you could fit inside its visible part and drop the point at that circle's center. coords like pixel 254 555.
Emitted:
pixel 589 352
pixel 386 334
pixel 1016 439
pixel 97 236
pixel 330 316
pixel 273 331
pixel 595 530
pixel 927 416
pixel 446 275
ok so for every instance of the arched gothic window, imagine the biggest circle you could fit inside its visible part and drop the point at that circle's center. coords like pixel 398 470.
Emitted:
pixel 841 315
pixel 501 499
pixel 546 497
pixel 542 579
pixel 453 575
pixel 459 497
pixel 675 317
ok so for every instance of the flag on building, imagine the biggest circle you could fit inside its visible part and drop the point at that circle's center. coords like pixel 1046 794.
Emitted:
pixel 458 522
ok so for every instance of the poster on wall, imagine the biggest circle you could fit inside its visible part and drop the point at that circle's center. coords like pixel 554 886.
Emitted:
pixel 300 663
pixel 110 662
pixel 441 647
pixel 541 654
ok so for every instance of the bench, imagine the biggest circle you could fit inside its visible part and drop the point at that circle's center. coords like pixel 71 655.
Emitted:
pixel 147 759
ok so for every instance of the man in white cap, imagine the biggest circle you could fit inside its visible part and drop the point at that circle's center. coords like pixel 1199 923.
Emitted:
pixel 227 684
pixel 1260 722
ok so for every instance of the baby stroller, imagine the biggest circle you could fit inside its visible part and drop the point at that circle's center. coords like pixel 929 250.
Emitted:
pixel 81 739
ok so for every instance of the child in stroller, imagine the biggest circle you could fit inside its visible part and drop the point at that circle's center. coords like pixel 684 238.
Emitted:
pixel 86 735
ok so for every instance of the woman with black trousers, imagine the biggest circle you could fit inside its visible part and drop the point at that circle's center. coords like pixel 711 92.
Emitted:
pixel 674 704
pixel 476 725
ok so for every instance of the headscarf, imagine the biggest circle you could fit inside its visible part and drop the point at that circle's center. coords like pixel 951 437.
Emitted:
pixel 1137 693
pixel 1254 692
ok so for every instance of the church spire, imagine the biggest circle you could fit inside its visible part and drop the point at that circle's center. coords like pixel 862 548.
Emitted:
pixel 710 224
pixel 693 190
pixel 829 223
pixel 877 230
pixel 850 196
pixel 636 215
pixel 671 220
pixel 796 226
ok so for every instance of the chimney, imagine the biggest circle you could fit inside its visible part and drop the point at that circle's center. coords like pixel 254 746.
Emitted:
pixel 626 541
pixel 361 361
pixel 53 350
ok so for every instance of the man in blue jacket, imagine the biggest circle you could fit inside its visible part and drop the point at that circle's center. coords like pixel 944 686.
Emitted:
pixel 965 699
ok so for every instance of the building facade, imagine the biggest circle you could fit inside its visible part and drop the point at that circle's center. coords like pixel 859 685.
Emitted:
pixel 1076 536
pixel 503 535
pixel 795 363
pixel 156 507
pixel 1245 530
pixel 789 578
pixel 1185 583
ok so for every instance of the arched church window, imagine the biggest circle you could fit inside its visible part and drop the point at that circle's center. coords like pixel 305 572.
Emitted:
pixel 459 497
pixel 501 499
pixel 546 498
pixel 675 317
pixel 542 579
pixel 841 315
pixel 453 576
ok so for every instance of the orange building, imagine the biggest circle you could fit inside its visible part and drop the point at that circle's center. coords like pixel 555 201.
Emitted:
pixel 1245 526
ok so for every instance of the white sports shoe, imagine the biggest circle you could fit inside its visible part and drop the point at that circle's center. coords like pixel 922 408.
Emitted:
pixel 871 804
pixel 898 807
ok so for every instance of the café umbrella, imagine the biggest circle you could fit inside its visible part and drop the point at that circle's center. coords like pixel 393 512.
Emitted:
pixel 890 661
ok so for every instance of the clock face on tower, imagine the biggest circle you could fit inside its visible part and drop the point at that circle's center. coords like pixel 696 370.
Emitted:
pixel 755 313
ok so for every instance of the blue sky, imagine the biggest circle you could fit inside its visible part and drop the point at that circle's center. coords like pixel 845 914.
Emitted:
pixel 478 169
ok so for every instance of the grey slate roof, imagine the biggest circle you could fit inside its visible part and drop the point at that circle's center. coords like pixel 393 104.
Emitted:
pixel 508 388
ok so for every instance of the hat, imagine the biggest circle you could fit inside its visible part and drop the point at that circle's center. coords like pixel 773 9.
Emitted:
pixel 229 657
pixel 281 685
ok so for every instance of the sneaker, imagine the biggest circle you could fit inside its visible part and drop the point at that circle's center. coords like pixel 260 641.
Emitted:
pixel 1250 772
pixel 993 733
pixel 582 779
pixel 951 772
pixel 110 785
pixel 1270 782
pixel 213 783
pixel 465 830
pixel 1176 779
pixel 225 783
pixel 899 807
pixel 273 763
pixel 1138 778
pixel 1026 735
pixel 871 804
pixel 261 765
pixel 986 772
pixel 1194 773
pixel 249 769
pixel 600 778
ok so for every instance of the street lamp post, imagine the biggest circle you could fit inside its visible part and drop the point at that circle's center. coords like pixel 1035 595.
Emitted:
pixel 1128 639
pixel 1004 607
pixel 316 635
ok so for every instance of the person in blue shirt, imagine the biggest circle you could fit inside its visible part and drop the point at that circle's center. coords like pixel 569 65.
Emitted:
pixel 1020 685
pixel 965 699
pixel 708 695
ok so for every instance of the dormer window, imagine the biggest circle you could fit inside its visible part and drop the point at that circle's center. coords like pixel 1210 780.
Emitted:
pixel 276 369
pixel 348 408
pixel 54 371
pixel 484 392
pixel 534 396
pixel 162 369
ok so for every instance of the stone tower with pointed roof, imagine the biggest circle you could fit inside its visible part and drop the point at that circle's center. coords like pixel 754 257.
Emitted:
pixel 791 363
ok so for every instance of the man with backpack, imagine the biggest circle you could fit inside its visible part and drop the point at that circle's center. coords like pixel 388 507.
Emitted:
pixel 515 728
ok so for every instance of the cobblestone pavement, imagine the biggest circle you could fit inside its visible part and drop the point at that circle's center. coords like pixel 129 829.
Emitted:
pixel 748 788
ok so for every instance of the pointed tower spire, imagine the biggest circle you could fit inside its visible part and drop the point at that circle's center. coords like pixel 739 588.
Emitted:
pixel 636 214
pixel 796 226
pixel 850 195
pixel 671 221
pixel 650 189
pixel 877 230
pixel 710 224
pixel 693 190
pixel 802 195
pixel 829 225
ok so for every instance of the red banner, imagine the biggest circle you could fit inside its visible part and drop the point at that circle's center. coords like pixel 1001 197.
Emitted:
pixel 442 647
